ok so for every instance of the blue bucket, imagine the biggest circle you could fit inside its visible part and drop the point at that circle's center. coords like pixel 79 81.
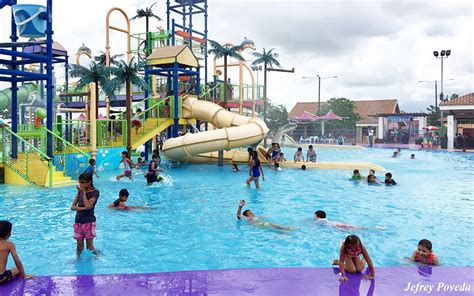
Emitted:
pixel 30 20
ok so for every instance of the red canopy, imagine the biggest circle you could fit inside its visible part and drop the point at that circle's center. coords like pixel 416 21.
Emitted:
pixel 307 116
pixel 329 116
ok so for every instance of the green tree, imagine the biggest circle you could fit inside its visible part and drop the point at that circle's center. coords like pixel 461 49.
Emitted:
pixel 146 13
pixel 101 59
pixel 127 74
pixel 95 73
pixel 225 51
pixel 268 59
pixel 342 107
pixel 277 116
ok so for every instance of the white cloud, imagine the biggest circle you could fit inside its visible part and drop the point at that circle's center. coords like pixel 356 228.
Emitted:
pixel 377 49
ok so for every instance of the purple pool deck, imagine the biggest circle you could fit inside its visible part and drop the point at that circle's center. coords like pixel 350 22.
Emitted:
pixel 265 281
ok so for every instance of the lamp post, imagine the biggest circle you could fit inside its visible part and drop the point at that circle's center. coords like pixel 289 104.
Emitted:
pixel 436 91
pixel 319 86
pixel 257 69
pixel 442 55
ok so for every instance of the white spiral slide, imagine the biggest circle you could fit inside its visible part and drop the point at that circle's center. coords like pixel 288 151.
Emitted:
pixel 232 131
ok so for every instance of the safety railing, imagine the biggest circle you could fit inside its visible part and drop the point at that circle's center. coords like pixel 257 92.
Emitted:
pixel 76 132
pixel 111 133
pixel 69 159
pixel 139 105
pixel 211 93
pixel 154 116
pixel 32 164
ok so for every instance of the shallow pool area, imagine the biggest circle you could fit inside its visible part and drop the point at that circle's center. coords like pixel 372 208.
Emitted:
pixel 192 224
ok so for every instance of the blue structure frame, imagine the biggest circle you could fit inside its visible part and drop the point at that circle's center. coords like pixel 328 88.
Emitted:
pixel 14 75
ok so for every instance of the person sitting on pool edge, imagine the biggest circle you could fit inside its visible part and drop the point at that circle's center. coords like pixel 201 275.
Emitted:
pixel 299 155
pixel 119 204
pixel 356 176
pixel 389 180
pixel 311 155
pixel 349 258
pixel 424 254
pixel 281 157
pixel 7 248
pixel 249 216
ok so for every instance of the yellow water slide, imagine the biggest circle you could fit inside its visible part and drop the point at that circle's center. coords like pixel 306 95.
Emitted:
pixel 233 131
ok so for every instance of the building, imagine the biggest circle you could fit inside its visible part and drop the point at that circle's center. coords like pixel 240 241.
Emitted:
pixel 460 121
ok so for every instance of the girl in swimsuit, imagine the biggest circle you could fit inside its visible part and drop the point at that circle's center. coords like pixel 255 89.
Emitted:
pixel 127 167
pixel 349 258
pixel 255 169
pixel 424 254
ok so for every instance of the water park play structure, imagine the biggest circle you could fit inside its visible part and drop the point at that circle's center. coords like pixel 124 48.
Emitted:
pixel 51 148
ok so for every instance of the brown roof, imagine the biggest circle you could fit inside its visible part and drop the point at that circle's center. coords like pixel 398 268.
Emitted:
pixel 364 108
pixel 367 108
pixel 300 107
pixel 166 52
pixel 463 100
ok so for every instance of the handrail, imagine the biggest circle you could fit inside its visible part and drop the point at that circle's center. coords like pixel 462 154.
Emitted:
pixel 28 144
pixel 153 106
pixel 207 92
pixel 149 97
pixel 64 141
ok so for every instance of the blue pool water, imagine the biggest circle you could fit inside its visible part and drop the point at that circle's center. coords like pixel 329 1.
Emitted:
pixel 193 225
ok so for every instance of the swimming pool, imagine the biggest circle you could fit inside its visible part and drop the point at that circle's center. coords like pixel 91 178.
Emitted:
pixel 193 224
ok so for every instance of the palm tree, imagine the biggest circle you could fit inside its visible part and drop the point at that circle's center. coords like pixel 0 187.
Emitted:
pixel 95 73
pixel 146 13
pixel 102 58
pixel 126 74
pixel 268 59
pixel 223 52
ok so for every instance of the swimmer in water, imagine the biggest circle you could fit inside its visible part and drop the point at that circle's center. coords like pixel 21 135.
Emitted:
pixel 249 216
pixel 320 217
pixel 119 204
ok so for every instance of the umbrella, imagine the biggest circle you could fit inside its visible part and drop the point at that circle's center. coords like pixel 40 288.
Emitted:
pixel 329 116
pixel 431 128
pixel 81 117
pixel 306 117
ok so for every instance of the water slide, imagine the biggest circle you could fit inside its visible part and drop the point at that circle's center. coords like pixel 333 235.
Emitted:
pixel 23 95
pixel 233 131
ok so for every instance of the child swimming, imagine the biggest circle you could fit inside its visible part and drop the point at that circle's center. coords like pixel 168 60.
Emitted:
pixel 424 254
pixel 349 258
pixel 389 180
pixel 119 204
pixel 84 204
pixel 140 163
pixel 127 167
pixel 356 176
pixel 320 216
pixel 249 216
pixel 255 170
pixel 7 248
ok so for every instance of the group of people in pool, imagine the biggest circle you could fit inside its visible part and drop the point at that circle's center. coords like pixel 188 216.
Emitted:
pixel 351 249
pixel 152 175
pixel 274 154
pixel 372 179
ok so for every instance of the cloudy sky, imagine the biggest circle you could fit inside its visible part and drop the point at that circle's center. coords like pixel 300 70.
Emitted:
pixel 378 49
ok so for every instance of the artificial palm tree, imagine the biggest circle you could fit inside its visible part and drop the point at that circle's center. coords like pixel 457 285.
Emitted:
pixel 224 51
pixel 268 59
pixel 101 59
pixel 95 73
pixel 126 73
pixel 146 13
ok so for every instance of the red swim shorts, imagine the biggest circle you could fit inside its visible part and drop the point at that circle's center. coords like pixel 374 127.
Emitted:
pixel 84 230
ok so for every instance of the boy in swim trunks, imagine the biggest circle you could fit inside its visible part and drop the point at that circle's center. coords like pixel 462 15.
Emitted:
pixel 127 166
pixel 119 204
pixel 389 180
pixel 7 248
pixel 424 254
pixel 249 216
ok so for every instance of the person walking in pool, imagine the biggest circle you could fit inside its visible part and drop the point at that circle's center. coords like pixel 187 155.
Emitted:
pixel 255 171
pixel 127 166
pixel 152 174
pixel 7 248
pixel 249 216
pixel 84 205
